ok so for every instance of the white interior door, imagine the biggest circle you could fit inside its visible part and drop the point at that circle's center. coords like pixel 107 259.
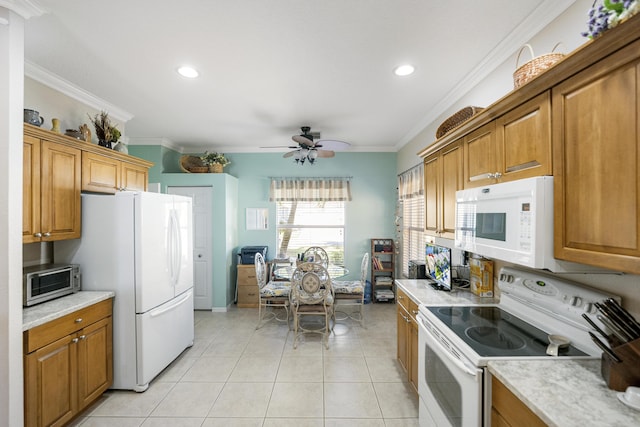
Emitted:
pixel 202 241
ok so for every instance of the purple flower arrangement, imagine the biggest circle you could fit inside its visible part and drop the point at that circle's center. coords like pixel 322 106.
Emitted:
pixel 609 14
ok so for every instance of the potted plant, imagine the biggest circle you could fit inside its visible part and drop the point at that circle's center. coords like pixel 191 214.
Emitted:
pixel 105 131
pixel 215 161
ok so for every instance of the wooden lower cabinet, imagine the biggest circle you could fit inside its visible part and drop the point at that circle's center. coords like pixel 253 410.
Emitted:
pixel 247 286
pixel 509 411
pixel 70 367
pixel 408 337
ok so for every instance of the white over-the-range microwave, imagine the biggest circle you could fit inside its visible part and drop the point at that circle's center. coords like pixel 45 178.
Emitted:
pixel 512 222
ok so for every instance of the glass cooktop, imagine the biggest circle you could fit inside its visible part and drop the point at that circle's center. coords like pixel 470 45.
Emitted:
pixel 491 331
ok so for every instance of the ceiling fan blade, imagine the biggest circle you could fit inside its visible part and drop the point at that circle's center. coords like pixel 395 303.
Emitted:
pixel 325 153
pixel 333 144
pixel 289 154
pixel 279 146
pixel 302 140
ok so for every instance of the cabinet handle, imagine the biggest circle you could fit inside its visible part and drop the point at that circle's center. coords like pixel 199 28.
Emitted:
pixel 497 175
pixel 38 234
pixel 75 340
pixel 414 312
pixel 400 297
pixel 47 234
pixel 79 319
pixel 82 337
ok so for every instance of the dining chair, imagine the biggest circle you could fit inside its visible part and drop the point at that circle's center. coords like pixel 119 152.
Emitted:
pixel 311 295
pixel 274 294
pixel 317 255
pixel 351 293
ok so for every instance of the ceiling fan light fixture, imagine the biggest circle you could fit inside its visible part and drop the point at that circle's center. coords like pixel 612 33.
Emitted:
pixel 404 70
pixel 188 72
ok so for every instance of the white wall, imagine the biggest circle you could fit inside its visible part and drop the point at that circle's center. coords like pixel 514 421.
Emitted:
pixel 11 101
pixel 566 29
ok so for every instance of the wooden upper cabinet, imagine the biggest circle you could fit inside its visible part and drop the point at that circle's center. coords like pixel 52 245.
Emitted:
pixel 134 177
pixel 596 116
pixel 514 146
pixel 480 156
pixel 431 198
pixel 102 174
pixel 442 178
pixel 524 140
pixel 31 190
pixel 51 191
pixel 452 181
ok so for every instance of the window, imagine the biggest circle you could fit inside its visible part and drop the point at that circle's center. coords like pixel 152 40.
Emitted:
pixel 310 212
pixel 304 224
pixel 413 238
pixel 411 195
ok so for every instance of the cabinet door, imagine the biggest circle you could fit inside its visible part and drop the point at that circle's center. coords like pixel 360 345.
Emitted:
pixel 134 177
pixel 431 204
pixel 413 354
pixel 452 181
pixel 100 174
pixel 30 190
pixel 596 140
pixel 403 337
pixel 523 138
pixel 95 369
pixel 60 188
pixel 480 157
pixel 50 384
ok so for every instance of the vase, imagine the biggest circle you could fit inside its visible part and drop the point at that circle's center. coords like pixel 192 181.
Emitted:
pixel 55 125
pixel 103 143
pixel 215 168
pixel 121 147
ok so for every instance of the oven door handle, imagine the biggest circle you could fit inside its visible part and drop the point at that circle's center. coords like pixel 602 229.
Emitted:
pixel 472 371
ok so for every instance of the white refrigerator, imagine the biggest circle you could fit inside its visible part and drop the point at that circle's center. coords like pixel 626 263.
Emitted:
pixel 139 245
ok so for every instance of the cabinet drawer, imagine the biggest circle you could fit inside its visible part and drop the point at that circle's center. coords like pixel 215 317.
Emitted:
pixel 403 299
pixel 58 328
pixel 248 296
pixel 413 308
pixel 246 275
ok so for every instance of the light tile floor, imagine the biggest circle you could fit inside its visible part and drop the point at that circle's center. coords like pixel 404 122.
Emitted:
pixel 235 375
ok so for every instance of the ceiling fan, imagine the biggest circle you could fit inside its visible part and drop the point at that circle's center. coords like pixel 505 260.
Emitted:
pixel 309 150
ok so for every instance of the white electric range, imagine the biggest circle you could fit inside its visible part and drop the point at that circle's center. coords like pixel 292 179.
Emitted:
pixel 457 341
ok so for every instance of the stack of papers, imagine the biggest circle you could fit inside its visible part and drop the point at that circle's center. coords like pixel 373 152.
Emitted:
pixel 384 280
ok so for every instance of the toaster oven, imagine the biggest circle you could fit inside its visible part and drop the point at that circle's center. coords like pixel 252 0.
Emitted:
pixel 48 281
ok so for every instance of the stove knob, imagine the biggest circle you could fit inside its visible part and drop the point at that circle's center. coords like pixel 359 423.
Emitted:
pixel 575 301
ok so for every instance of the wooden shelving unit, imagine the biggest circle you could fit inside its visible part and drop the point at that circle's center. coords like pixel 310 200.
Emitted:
pixel 383 270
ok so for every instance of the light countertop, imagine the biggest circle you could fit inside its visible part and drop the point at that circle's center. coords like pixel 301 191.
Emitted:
pixel 565 393
pixel 562 393
pixel 51 310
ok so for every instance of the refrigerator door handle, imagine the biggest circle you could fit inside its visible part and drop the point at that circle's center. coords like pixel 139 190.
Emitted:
pixel 178 248
pixel 177 303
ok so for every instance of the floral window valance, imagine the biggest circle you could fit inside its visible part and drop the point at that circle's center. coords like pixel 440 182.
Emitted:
pixel 411 183
pixel 309 189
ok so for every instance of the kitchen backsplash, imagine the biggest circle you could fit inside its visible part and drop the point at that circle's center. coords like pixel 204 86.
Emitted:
pixel 37 253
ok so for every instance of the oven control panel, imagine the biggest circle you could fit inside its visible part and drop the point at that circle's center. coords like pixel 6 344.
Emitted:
pixel 565 298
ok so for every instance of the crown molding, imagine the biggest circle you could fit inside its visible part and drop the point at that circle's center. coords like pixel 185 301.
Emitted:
pixel 165 142
pixel 25 8
pixel 544 14
pixel 65 87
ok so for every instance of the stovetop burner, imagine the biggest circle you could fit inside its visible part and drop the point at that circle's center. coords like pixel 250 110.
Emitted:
pixel 493 332
pixel 493 337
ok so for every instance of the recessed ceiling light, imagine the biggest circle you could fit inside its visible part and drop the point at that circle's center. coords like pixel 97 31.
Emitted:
pixel 404 70
pixel 188 72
